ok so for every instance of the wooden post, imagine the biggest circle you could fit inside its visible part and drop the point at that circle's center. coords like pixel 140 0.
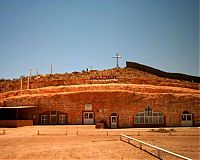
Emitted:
pixel 51 68
pixel 66 133
pixel 4 132
pixel 158 151
pixel 38 132
pixel 28 82
pixel 140 145
pixel 21 84
pixel 170 132
pixel 37 71
pixel 107 133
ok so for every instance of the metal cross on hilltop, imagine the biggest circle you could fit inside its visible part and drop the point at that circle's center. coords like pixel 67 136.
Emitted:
pixel 117 58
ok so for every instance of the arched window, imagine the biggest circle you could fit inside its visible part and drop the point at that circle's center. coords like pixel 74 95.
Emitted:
pixel 113 114
pixel 148 111
pixel 186 116
pixel 186 112
pixel 186 119
pixel 149 117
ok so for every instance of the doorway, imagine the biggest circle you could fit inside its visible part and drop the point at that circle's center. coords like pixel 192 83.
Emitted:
pixel 62 119
pixel 53 117
pixel 88 118
pixel 186 119
pixel 43 119
pixel 113 120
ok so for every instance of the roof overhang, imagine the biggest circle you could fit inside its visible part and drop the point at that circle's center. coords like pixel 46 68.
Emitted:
pixel 17 107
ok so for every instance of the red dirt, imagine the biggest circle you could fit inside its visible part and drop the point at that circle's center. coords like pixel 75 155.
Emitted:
pixel 62 142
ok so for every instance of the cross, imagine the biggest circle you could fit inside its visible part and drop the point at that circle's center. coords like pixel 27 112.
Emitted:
pixel 117 57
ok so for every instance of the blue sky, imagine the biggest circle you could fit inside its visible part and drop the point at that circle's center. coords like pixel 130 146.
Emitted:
pixel 77 34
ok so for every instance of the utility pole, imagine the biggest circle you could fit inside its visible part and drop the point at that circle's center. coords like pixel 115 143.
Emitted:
pixel 117 58
pixel 30 73
pixel 27 82
pixel 37 71
pixel 21 83
pixel 51 68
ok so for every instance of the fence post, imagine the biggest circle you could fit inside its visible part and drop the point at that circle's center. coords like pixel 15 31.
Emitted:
pixel 170 132
pixel 107 133
pixel 140 145
pixel 4 132
pixel 38 133
pixel 66 133
pixel 158 151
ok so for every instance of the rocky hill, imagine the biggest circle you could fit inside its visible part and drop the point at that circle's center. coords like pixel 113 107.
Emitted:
pixel 141 91
pixel 123 90
pixel 120 75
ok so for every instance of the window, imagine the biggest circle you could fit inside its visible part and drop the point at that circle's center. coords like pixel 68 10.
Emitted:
pixel 186 112
pixel 148 111
pixel 86 115
pixel 90 115
pixel 183 117
pixel 43 119
pixel 53 112
pixel 137 119
pixel 189 117
pixel 114 119
pixel 53 117
pixel 62 119
pixel 148 117
pixel 114 114
pixel 186 116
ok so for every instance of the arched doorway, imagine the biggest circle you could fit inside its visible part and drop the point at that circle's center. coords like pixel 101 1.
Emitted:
pixel 186 119
pixel 113 120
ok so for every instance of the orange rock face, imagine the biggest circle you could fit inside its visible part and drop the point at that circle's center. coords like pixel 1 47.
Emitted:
pixel 121 75
pixel 123 99
pixel 117 98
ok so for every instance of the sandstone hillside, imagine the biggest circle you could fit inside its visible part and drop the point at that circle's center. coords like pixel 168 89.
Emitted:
pixel 121 76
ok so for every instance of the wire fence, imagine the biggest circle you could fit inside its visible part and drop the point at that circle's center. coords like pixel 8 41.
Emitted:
pixel 91 131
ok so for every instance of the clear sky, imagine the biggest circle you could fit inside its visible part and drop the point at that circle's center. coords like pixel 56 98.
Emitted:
pixel 77 34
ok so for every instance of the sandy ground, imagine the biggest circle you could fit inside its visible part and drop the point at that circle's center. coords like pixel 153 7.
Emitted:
pixel 86 142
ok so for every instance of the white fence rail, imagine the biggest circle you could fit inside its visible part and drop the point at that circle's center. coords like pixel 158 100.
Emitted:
pixel 152 146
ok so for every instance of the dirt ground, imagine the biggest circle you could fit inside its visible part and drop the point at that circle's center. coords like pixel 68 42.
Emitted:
pixel 86 142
